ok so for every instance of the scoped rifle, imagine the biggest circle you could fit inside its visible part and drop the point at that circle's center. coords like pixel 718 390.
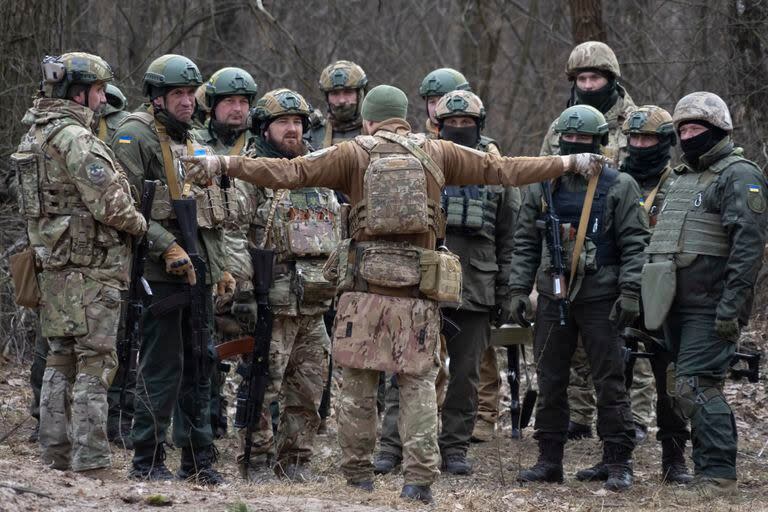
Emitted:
pixel 250 395
pixel 550 224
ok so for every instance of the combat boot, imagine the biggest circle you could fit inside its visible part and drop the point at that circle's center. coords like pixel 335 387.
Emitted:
pixel 420 493
pixel 549 466
pixel 197 466
pixel 456 464
pixel 707 487
pixel 259 470
pixel 596 473
pixel 385 463
pixel 673 468
pixel 297 472
pixel 149 464
pixel 618 461
pixel 578 431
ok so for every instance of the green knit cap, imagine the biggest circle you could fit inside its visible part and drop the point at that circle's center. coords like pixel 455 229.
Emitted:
pixel 384 102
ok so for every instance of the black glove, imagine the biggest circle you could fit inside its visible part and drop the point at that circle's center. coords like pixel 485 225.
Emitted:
pixel 245 310
pixel 520 309
pixel 625 310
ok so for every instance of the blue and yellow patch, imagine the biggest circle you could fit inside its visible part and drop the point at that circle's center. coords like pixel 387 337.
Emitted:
pixel 755 199
pixel 125 139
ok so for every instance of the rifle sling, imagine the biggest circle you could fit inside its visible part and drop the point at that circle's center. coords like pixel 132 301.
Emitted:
pixel 174 189
pixel 581 233
pixel 648 204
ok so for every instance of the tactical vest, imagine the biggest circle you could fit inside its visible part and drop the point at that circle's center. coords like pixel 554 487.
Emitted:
pixel 306 223
pixel 471 210
pixel 485 143
pixel 395 190
pixel 568 205
pixel 682 227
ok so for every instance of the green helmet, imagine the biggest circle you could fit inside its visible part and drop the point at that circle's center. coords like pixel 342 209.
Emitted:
pixel 651 120
pixel 229 82
pixel 170 71
pixel 280 102
pixel 342 74
pixel 442 81
pixel 460 103
pixel 584 120
pixel 60 72
pixel 115 97
pixel 592 55
pixel 703 106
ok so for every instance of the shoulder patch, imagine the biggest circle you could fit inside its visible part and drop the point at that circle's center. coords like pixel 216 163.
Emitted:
pixel 125 139
pixel 755 199
pixel 317 154
pixel 96 173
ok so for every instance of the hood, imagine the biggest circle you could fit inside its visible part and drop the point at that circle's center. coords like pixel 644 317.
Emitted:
pixel 45 110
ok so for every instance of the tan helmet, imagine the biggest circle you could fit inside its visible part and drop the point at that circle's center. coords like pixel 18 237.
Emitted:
pixel 592 55
pixel 60 72
pixel 703 106
pixel 343 74
pixel 460 103
pixel 280 102
pixel 651 120
pixel 202 103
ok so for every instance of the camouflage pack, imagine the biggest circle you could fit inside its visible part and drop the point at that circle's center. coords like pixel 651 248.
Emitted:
pixel 305 224
pixel 312 285
pixel 389 264
pixel 441 276
pixel 392 334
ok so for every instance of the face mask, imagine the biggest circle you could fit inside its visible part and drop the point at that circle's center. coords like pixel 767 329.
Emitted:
pixel 695 147
pixel 643 163
pixel 602 99
pixel 464 136
pixel 344 112
pixel 571 148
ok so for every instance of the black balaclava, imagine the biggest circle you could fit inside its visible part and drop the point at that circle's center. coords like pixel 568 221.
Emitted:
pixel 602 99
pixel 571 148
pixel 644 163
pixel 465 136
pixel 697 146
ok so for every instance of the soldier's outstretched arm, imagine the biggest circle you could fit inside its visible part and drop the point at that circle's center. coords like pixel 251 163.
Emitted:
pixel 103 188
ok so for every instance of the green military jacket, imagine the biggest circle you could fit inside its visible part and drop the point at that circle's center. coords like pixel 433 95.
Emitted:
pixel 738 194
pixel 616 149
pixel 624 223
pixel 207 136
pixel 110 120
pixel 137 147
pixel 74 195
pixel 318 137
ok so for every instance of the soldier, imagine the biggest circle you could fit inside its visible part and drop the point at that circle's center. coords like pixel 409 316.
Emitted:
pixel 651 135
pixel 394 225
pixel 437 83
pixel 603 297
pixel 114 112
pixel 704 257
pixel 480 227
pixel 229 94
pixel 79 210
pixel 148 143
pixel 304 230
pixel 344 84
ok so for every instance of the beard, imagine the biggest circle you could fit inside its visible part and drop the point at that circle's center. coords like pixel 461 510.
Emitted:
pixel 290 147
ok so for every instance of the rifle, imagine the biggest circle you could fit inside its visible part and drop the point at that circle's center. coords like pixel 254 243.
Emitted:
pixel 250 395
pixel 550 224
pixel 198 294
pixel 138 289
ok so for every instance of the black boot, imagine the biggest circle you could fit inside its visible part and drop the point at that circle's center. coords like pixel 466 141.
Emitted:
pixel 197 465
pixel 119 431
pixel 549 467
pixel 456 464
pixel 385 463
pixel 673 468
pixel 578 431
pixel 149 464
pixel 596 473
pixel 618 461
pixel 420 493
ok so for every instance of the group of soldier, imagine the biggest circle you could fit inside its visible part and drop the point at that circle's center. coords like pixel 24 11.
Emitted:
pixel 394 231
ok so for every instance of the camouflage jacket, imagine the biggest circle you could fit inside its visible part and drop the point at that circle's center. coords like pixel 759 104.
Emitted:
pixel 75 197
pixel 137 147
pixel 616 149
pixel 623 225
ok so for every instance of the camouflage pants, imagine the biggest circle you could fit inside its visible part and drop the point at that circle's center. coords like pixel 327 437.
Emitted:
pixel 73 398
pixel 417 422
pixel 489 387
pixel 581 391
pixel 296 357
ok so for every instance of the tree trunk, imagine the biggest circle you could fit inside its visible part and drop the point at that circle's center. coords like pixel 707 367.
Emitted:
pixel 587 20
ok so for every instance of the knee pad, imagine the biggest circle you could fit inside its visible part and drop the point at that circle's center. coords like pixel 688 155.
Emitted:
pixel 102 366
pixel 64 363
pixel 693 392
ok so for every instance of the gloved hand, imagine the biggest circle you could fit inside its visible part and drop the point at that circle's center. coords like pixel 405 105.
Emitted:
pixel 245 310
pixel 727 329
pixel 177 262
pixel 520 310
pixel 625 310
pixel 586 164
pixel 202 169
pixel 225 288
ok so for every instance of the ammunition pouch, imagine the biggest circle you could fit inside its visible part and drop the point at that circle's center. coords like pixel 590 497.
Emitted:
pixel 312 285
pixel 208 203
pixel 23 267
pixel 27 169
pixel 62 311
pixel 441 277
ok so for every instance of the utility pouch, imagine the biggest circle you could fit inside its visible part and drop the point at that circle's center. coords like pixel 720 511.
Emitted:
pixel 338 269
pixel 396 196
pixel 82 232
pixel 161 204
pixel 23 267
pixel 312 285
pixel 210 206
pixel 280 292
pixel 26 167
pixel 62 311
pixel 441 276
pixel 658 285
pixel 390 266
pixel 310 238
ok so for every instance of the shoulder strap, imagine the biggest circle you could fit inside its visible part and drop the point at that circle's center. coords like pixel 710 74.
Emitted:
pixel 651 197
pixel 271 217
pixel 581 233
pixel 102 130
pixel 416 151
pixel 174 189
pixel 328 134
pixel 238 147
pixel 143 116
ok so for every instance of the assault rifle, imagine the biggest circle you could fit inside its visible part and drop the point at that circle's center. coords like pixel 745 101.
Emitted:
pixel 250 395
pixel 138 290
pixel 550 224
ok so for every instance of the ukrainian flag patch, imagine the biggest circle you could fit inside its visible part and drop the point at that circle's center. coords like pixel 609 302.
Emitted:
pixel 125 139
pixel 755 199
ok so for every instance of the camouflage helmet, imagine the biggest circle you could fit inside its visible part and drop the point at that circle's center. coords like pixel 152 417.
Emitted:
pixel 442 81
pixel 703 106
pixel 342 74
pixel 200 101
pixel 60 72
pixel 229 82
pixel 280 102
pixel 170 71
pixel 583 119
pixel 460 103
pixel 650 120
pixel 592 55
pixel 115 97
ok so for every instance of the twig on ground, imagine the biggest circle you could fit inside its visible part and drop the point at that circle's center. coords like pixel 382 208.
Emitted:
pixel 20 489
